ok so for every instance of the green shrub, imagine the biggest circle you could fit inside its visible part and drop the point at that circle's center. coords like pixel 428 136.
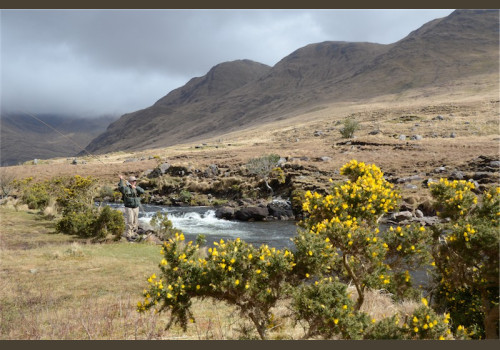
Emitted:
pixel 36 196
pixel 163 226
pixel 92 223
pixel 185 196
pixel 328 311
pixel 265 167
pixel 349 128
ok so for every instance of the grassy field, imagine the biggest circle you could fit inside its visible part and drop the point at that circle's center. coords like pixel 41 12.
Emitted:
pixel 58 287
pixel 55 286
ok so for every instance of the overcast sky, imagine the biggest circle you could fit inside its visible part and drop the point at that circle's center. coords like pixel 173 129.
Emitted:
pixel 94 62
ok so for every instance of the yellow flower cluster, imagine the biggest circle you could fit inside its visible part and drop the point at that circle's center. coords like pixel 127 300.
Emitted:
pixel 366 194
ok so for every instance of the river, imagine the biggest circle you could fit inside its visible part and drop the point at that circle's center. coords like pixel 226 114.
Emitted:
pixel 193 221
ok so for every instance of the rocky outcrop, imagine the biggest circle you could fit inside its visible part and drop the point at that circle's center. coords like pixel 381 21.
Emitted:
pixel 252 214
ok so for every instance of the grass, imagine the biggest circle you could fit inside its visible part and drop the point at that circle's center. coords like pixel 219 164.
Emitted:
pixel 55 286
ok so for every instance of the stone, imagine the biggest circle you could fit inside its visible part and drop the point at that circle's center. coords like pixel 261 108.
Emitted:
pixel 416 137
pixel 456 175
pixel 439 170
pixel 281 161
pixel 439 117
pixel 411 187
pixel 325 159
pixel 318 133
pixel 144 228
pixel 226 213
pixel 402 137
pixel 495 164
pixel 280 210
pixel 211 171
pixel 164 167
pixel 131 160
pixel 419 214
pixel 453 135
pixel 402 216
pixel 252 214
pixel 375 132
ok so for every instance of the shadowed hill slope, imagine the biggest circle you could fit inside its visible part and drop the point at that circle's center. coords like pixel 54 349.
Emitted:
pixel 237 95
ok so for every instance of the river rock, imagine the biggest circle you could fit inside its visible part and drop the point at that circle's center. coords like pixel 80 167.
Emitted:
pixel 224 213
pixel 144 228
pixel 252 214
pixel 402 216
pixel 280 210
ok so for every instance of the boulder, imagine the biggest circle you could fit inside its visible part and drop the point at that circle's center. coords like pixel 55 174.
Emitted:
pixel 495 164
pixel 402 137
pixel 144 228
pixel 211 171
pixel 226 213
pixel 456 175
pixel 280 210
pixel 252 214
pixel 402 216
pixel 163 167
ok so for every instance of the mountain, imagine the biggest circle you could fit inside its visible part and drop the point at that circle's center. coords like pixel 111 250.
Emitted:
pixel 237 95
pixel 25 138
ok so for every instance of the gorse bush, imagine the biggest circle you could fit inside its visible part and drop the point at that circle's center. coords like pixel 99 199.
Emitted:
pixel 466 253
pixel 345 223
pixel 74 198
pixel 339 244
pixel 94 223
pixel 236 272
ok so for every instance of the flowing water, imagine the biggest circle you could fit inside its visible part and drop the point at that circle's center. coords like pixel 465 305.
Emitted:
pixel 193 221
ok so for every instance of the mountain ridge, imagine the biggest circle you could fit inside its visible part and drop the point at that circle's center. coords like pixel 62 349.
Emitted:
pixel 465 43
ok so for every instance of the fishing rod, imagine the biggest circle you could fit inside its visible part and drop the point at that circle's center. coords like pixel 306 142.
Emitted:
pixel 72 141
pixel 65 136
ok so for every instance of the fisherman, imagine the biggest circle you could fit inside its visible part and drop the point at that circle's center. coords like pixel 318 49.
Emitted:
pixel 131 192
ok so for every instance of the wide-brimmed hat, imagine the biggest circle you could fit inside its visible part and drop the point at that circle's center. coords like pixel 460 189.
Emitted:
pixel 132 178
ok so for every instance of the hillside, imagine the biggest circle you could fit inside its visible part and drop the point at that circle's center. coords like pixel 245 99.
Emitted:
pixel 243 94
pixel 24 138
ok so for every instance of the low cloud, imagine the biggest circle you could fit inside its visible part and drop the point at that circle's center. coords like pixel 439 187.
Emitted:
pixel 93 62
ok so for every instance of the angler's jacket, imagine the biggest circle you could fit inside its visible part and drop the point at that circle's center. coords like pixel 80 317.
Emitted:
pixel 130 196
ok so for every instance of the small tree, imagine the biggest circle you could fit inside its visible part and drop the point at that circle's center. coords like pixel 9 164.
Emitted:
pixel 163 226
pixel 265 167
pixel 466 253
pixel 349 128
pixel 345 221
